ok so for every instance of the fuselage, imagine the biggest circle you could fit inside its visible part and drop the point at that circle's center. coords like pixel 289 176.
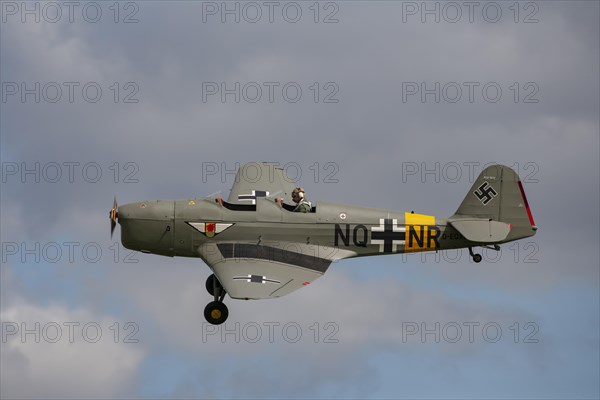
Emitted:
pixel 332 230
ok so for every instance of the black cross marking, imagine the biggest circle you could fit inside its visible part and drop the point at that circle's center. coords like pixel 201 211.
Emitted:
pixel 255 279
pixel 388 235
pixel 253 196
pixel 485 193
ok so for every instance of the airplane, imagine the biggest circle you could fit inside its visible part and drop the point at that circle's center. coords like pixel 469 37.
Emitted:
pixel 259 248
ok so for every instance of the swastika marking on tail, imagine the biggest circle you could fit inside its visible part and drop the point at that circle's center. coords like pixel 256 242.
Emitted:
pixel 485 193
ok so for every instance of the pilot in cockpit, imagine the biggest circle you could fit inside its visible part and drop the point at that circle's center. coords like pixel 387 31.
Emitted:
pixel 302 205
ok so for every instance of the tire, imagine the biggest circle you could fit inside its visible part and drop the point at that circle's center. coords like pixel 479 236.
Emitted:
pixel 216 312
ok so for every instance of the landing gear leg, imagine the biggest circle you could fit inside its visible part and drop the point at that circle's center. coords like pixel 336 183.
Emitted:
pixel 213 286
pixel 216 312
pixel 476 257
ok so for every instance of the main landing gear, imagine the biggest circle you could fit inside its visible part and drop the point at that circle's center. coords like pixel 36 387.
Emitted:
pixel 476 257
pixel 216 311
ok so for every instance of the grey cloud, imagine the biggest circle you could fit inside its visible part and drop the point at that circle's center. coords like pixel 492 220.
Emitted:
pixel 61 368
pixel 369 134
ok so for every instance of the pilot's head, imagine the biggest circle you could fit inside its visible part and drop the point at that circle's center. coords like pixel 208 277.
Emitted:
pixel 297 194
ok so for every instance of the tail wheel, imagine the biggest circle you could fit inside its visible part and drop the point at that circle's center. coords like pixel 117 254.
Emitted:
pixel 476 257
pixel 216 312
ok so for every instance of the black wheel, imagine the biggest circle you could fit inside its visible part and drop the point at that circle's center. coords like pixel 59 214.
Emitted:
pixel 477 258
pixel 210 284
pixel 216 312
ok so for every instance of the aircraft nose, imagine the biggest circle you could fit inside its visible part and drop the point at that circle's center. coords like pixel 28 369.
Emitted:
pixel 148 226
pixel 129 211
pixel 160 210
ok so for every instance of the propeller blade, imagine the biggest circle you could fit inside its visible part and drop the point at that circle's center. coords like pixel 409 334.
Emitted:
pixel 113 217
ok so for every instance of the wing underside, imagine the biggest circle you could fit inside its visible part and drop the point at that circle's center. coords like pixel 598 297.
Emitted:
pixel 253 271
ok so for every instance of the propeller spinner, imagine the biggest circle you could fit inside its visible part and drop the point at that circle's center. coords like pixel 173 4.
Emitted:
pixel 113 217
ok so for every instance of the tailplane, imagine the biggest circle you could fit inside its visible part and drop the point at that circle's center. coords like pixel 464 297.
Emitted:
pixel 495 209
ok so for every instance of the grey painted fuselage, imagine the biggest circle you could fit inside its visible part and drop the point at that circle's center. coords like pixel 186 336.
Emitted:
pixel 334 231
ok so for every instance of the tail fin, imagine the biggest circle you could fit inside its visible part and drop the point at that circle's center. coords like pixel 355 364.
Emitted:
pixel 495 209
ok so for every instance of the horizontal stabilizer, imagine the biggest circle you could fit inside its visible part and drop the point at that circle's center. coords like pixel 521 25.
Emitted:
pixel 481 230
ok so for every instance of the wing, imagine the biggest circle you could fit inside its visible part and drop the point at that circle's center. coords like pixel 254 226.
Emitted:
pixel 254 180
pixel 252 271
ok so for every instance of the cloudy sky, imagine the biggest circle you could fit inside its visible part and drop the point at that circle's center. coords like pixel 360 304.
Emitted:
pixel 384 104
